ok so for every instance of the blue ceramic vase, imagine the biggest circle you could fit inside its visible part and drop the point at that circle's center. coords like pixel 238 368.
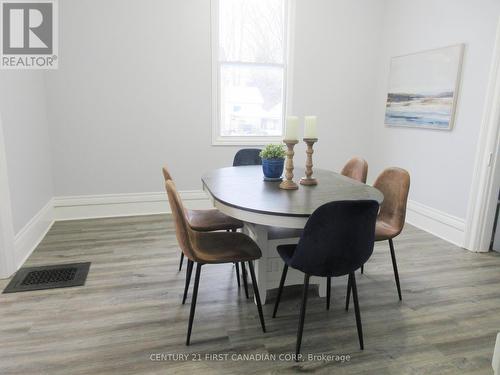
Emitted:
pixel 273 168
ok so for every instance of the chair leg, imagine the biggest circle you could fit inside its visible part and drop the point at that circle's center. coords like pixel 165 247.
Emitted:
pixel 189 271
pixel 348 294
pixel 257 296
pixel 362 269
pixel 193 302
pixel 356 309
pixel 244 277
pixel 280 290
pixel 395 267
pixel 237 265
pixel 328 291
pixel 180 263
pixel 302 317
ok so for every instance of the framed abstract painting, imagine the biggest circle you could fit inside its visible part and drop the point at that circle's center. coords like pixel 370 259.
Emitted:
pixel 423 88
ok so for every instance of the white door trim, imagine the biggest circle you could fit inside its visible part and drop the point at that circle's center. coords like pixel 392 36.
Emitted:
pixel 483 195
pixel 7 259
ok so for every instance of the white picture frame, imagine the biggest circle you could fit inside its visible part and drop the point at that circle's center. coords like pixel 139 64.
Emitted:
pixel 423 88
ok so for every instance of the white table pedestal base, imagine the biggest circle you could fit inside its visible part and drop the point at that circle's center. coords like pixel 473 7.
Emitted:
pixel 268 269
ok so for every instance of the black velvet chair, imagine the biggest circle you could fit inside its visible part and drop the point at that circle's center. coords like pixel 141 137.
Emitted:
pixel 244 157
pixel 247 156
pixel 337 239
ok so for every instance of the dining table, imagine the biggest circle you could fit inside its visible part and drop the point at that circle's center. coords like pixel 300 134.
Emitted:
pixel 273 216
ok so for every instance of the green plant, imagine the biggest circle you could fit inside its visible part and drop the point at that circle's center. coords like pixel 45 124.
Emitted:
pixel 273 151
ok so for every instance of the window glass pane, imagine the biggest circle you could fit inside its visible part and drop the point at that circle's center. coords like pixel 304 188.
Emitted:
pixel 251 100
pixel 251 30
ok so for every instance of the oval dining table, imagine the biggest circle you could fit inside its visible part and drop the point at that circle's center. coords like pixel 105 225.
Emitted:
pixel 273 216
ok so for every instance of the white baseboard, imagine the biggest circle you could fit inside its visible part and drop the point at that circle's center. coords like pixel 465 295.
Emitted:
pixel 114 205
pixel 436 222
pixel 28 238
pixel 95 206
pixel 439 223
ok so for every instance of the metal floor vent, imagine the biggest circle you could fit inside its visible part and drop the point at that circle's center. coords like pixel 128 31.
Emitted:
pixel 48 277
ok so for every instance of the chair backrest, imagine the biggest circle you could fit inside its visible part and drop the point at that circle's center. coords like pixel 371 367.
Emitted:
pixel 183 231
pixel 338 238
pixel 166 174
pixel 394 183
pixel 247 156
pixel 356 168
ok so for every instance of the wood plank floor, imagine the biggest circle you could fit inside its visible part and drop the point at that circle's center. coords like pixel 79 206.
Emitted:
pixel 130 309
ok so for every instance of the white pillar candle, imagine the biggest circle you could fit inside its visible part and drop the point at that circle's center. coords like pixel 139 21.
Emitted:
pixel 292 128
pixel 310 130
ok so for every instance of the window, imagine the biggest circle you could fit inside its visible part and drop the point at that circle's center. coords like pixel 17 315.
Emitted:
pixel 249 70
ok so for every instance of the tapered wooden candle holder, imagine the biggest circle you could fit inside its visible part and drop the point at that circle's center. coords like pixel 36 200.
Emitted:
pixel 288 184
pixel 308 180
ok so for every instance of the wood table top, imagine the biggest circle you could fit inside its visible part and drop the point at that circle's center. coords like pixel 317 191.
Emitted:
pixel 244 188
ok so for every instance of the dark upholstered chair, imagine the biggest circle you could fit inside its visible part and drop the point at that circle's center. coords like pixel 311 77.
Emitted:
pixel 211 248
pixel 394 183
pixel 337 239
pixel 247 156
pixel 205 221
pixel 357 169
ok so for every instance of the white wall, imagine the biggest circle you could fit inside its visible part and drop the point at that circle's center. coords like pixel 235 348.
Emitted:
pixel 440 162
pixel 335 73
pixel 26 188
pixel 134 93
pixel 27 145
pixel 6 227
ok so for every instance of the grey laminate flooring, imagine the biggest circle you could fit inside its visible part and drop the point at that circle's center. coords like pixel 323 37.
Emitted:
pixel 130 310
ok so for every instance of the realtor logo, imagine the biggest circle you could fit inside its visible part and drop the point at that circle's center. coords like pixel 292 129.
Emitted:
pixel 29 34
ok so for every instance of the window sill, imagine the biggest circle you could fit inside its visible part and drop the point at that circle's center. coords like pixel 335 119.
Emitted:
pixel 245 141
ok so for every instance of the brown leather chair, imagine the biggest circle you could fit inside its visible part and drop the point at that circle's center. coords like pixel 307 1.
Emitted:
pixel 208 221
pixel 356 168
pixel 394 183
pixel 211 248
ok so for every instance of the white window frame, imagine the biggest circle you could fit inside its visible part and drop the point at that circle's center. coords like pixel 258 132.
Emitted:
pixel 217 139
